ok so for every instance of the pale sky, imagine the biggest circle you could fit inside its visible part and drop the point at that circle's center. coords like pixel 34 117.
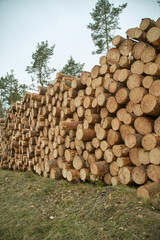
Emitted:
pixel 24 23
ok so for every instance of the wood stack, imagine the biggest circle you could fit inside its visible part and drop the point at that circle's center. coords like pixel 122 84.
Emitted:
pixel 103 125
pixel 2 128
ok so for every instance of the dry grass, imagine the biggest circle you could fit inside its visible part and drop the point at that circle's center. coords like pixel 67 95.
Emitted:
pixel 34 208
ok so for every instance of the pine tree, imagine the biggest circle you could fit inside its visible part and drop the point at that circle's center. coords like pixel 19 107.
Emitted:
pixel 158 2
pixel 105 17
pixel 39 70
pixel 72 68
pixel 10 91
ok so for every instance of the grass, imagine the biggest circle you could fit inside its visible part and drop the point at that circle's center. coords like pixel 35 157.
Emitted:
pixel 35 208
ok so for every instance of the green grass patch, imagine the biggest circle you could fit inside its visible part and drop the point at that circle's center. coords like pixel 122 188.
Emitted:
pixel 32 207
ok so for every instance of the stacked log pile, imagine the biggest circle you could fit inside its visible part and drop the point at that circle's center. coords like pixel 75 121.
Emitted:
pixel 103 125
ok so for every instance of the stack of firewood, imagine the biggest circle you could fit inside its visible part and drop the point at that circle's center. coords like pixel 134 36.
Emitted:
pixel 2 128
pixel 103 125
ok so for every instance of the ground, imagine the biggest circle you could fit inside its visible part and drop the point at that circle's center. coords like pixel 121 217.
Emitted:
pixel 35 208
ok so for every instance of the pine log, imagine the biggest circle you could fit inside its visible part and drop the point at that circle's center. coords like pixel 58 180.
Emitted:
pixel 114 86
pixel 126 47
pixel 154 156
pixel 91 159
pixel 78 162
pixel 114 137
pixel 157 126
pixel 113 168
pixel 79 101
pixel 154 88
pixel 138 67
pixel 153 172
pixel 121 113
pixel 146 24
pixel 122 96
pixel 115 181
pixel 107 82
pixel 113 56
pixel 96 82
pixel 134 81
pixel 90 91
pixel 123 161
pixel 56 173
pixel 102 60
pixel 89 146
pixel 72 175
pixel 88 102
pixel 69 124
pixel 80 112
pixel 104 145
pixel 104 69
pixel 125 62
pixel 109 156
pixel 123 75
pixel 133 140
pixel 130 106
pixel 137 110
pixel 152 69
pixel 77 84
pixel 120 150
pixel 139 175
pixel 153 36
pixel 101 134
pixel 157 60
pixel 95 142
pixel 92 118
pixel 125 130
pixel 95 71
pixel 117 40
pixel 150 105
pixel 69 155
pixel 107 178
pixel 112 105
pixel 148 54
pixel 115 124
pixel 85 134
pixel 99 90
pixel 84 174
pixel 125 175
pixel 136 33
pixel 84 76
pixel 72 93
pixel 150 141
pixel 103 112
pixel 136 94
pixel 143 125
pixel 133 155
pixel 99 168
pixel 98 153
pixel 116 74
pixel 114 67
pixel 138 48
pixel 128 118
pixel 102 98
pixel 106 122
pixel 143 156
pixel 158 23
pixel 149 190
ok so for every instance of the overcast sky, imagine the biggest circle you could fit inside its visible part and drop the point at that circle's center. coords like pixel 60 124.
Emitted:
pixel 24 23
